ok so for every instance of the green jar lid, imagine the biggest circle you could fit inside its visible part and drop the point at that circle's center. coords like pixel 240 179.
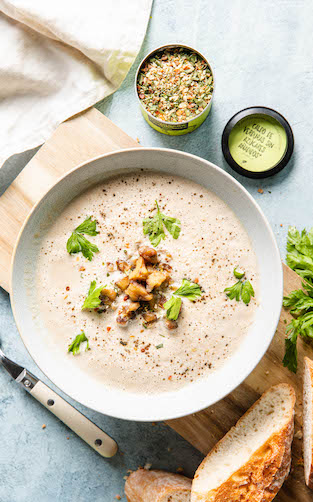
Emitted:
pixel 257 142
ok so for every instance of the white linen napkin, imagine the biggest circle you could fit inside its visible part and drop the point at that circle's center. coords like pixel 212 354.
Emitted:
pixel 59 57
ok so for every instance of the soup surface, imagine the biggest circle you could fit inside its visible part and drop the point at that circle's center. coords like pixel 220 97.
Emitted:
pixel 145 356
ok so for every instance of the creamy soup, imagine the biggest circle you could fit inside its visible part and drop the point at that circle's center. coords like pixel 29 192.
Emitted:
pixel 143 356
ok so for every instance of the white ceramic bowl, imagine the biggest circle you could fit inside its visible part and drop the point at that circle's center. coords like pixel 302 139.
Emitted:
pixel 93 393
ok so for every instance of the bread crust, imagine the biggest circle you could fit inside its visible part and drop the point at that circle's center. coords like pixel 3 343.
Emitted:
pixel 308 366
pixel 282 472
pixel 262 476
pixel 152 486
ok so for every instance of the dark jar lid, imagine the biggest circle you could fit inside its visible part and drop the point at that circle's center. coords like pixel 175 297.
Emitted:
pixel 257 142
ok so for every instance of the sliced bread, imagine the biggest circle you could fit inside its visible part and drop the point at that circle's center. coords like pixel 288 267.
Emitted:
pixel 308 421
pixel 157 486
pixel 252 461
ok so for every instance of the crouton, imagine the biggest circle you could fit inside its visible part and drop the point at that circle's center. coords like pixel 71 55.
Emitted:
pixel 123 283
pixel 156 279
pixel 136 291
pixel 149 254
pixel 140 273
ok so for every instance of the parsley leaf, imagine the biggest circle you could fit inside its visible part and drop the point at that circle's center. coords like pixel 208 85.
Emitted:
pixel 238 273
pixel 307 326
pixel 246 292
pixel 300 251
pixel 88 227
pixel 172 225
pixel 308 286
pixel 75 345
pixel 189 290
pixel 240 290
pixel 299 302
pixel 302 326
pixel 172 307
pixel 86 247
pixel 92 300
pixel 234 291
pixel 72 244
pixel 291 354
pixel 78 243
pixel 153 227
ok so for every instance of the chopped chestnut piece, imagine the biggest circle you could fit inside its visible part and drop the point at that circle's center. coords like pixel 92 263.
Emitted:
pixel 123 283
pixel 109 293
pixel 132 307
pixel 161 301
pixel 122 265
pixel 171 324
pixel 127 312
pixel 136 291
pixel 152 303
pixel 149 317
pixel 166 267
pixel 156 279
pixel 149 254
pixel 150 269
pixel 122 319
pixel 133 262
pixel 148 276
pixel 140 273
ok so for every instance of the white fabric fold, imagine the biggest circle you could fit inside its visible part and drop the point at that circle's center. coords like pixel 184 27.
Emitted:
pixel 58 58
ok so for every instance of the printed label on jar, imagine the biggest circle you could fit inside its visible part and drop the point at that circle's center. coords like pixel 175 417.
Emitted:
pixel 170 127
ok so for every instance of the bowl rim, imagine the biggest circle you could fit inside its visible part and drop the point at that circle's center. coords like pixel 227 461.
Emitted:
pixel 190 408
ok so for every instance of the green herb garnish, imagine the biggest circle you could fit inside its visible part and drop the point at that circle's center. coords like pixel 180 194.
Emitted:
pixel 153 227
pixel 159 346
pixel 172 307
pixel 189 290
pixel 78 243
pixel 300 301
pixel 246 292
pixel 241 290
pixel 75 345
pixel 238 273
pixel 291 354
pixel 92 300
pixel 300 252
pixel 234 291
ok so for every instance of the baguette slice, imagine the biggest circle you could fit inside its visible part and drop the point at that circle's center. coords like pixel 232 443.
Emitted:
pixel 308 421
pixel 157 486
pixel 253 460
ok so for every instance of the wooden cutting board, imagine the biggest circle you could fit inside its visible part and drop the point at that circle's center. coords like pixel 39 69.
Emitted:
pixel 91 134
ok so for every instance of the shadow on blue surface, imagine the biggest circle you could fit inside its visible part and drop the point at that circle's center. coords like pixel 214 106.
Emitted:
pixel 51 464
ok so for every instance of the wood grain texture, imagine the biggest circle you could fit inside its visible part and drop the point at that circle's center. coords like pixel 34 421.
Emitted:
pixel 91 134
pixel 204 429
pixel 77 140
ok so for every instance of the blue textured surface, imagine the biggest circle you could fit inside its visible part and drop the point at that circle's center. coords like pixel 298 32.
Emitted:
pixel 261 54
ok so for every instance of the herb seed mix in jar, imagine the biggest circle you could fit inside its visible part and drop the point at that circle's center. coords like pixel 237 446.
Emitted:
pixel 175 86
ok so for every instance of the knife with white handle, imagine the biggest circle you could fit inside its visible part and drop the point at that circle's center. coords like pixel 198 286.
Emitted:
pixel 81 425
